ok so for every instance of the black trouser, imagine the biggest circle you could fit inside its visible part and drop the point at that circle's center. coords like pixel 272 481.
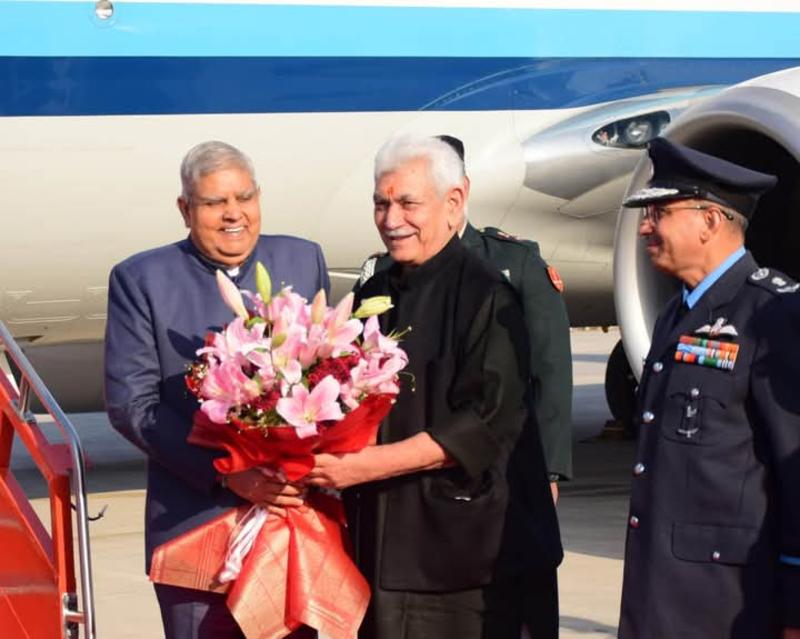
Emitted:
pixel 498 611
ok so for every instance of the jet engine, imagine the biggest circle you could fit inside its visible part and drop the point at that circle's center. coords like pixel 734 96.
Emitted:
pixel 755 124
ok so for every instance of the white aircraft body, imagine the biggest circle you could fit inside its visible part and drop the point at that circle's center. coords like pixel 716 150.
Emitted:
pixel 553 99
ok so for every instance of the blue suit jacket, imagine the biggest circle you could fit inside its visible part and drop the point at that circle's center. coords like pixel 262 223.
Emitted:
pixel 161 304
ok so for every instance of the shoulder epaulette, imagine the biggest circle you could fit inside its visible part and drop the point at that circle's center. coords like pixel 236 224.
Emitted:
pixel 369 266
pixel 498 234
pixel 773 281
pixel 492 231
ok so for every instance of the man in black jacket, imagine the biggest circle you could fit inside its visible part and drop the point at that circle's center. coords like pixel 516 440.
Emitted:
pixel 452 508
pixel 713 545
pixel 539 288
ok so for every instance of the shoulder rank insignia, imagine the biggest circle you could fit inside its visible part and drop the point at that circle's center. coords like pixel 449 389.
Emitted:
pixel 718 328
pixel 778 283
pixel 784 286
pixel 495 232
pixel 706 352
pixel 555 279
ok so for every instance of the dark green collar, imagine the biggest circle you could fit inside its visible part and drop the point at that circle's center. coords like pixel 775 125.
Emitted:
pixel 471 238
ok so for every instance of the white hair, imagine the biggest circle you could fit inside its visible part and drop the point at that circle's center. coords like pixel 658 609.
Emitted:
pixel 209 157
pixel 445 167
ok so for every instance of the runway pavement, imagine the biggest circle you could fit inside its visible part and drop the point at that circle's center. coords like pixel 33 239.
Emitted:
pixel 592 512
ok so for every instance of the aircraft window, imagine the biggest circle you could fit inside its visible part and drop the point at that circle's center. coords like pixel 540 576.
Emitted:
pixel 103 9
pixel 632 133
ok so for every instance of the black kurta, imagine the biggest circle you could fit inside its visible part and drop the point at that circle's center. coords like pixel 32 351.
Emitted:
pixel 548 332
pixel 451 533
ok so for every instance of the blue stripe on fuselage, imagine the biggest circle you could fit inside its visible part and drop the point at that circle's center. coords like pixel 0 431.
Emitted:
pixel 222 29
pixel 43 86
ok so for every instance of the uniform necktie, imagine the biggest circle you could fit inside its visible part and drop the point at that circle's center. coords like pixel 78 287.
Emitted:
pixel 681 313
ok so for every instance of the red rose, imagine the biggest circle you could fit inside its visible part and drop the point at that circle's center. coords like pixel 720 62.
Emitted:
pixel 268 401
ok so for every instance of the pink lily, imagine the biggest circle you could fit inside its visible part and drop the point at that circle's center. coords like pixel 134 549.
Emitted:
pixel 377 342
pixel 287 345
pixel 310 347
pixel 235 342
pixel 261 358
pixel 377 375
pixel 225 386
pixel 231 295
pixel 287 305
pixel 304 409
pixel 318 307
pixel 371 378
pixel 343 310
pixel 288 328
pixel 290 375
pixel 341 329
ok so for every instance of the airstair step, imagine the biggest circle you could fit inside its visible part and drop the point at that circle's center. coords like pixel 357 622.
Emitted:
pixel 33 615
pixel 29 597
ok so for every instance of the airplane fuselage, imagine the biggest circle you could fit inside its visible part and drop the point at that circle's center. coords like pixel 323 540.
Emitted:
pixel 97 110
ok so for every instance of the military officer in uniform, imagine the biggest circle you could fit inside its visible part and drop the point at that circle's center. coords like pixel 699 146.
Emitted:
pixel 539 287
pixel 713 540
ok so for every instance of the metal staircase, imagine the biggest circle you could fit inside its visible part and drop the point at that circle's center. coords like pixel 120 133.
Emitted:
pixel 38 595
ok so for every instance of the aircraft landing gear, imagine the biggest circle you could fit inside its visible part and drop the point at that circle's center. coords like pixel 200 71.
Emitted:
pixel 620 386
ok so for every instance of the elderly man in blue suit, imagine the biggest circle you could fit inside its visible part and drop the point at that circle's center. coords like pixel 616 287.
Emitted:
pixel 161 304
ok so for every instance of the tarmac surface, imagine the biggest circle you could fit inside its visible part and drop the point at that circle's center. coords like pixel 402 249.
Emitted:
pixel 592 511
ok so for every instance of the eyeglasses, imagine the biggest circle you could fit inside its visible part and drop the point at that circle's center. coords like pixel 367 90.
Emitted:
pixel 654 214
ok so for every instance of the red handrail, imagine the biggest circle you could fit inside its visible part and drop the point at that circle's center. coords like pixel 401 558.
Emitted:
pixel 37 571
pixel 38 596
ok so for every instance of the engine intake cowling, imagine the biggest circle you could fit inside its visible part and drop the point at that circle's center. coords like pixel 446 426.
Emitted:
pixel 755 124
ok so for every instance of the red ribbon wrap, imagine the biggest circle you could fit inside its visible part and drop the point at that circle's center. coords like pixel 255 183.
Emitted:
pixel 299 571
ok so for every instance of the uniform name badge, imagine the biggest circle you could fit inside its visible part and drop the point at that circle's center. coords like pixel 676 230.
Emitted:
pixel 706 352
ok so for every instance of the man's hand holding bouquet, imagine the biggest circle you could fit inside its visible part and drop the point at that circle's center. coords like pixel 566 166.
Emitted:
pixel 285 380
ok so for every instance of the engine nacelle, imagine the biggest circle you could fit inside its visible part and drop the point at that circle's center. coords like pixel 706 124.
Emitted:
pixel 755 124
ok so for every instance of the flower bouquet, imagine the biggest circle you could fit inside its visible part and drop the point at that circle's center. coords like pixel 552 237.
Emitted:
pixel 283 381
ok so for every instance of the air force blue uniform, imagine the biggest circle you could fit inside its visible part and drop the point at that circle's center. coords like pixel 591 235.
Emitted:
pixel 713 543
pixel 161 304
